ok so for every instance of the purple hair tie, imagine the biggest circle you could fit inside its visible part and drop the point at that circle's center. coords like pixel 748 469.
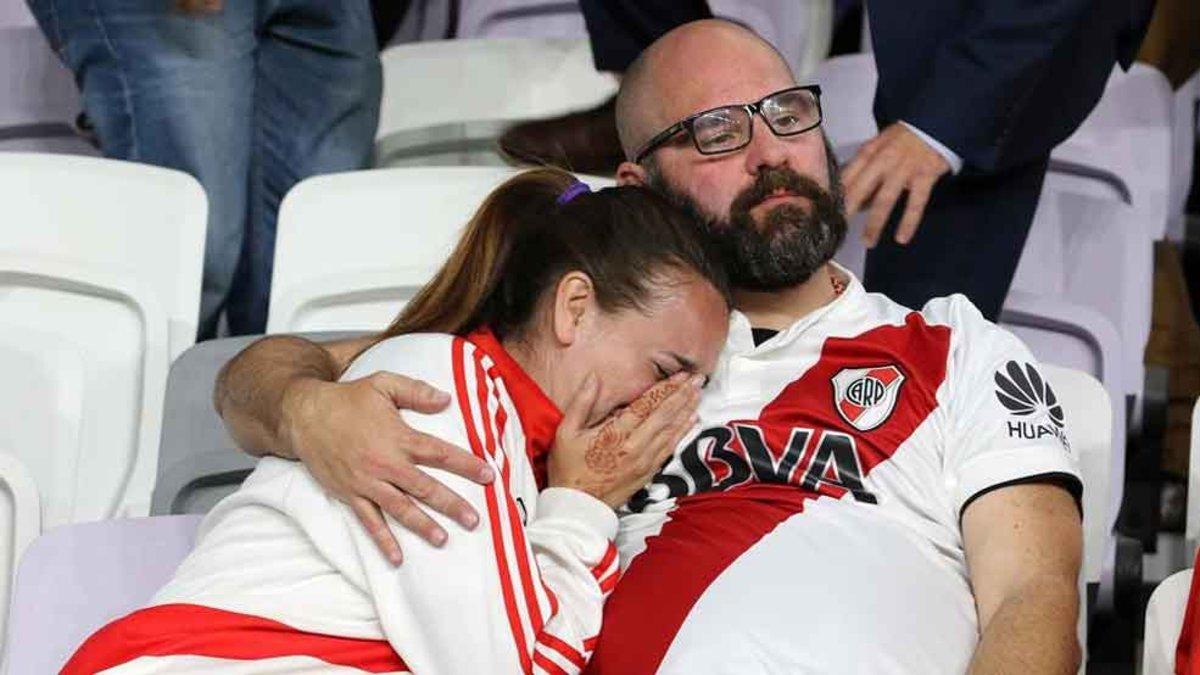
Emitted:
pixel 577 188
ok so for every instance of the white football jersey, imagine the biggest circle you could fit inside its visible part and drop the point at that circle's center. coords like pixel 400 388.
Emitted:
pixel 811 523
pixel 284 579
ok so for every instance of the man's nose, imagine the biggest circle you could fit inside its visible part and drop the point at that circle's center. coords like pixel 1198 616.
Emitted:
pixel 766 150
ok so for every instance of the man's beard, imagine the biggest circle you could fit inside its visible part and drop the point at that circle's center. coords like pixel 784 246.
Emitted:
pixel 789 245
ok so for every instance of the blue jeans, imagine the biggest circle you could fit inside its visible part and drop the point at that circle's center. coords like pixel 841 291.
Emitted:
pixel 249 100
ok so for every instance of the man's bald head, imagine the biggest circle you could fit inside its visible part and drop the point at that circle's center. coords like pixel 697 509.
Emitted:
pixel 694 62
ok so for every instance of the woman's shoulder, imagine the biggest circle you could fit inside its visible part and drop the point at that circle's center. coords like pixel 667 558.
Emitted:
pixel 425 356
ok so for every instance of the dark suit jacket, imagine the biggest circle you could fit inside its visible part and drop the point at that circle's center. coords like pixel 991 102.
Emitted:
pixel 1000 82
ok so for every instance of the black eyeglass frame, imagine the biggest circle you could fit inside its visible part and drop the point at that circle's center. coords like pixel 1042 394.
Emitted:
pixel 755 108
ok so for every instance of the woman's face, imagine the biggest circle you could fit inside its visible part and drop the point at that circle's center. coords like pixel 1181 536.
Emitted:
pixel 682 328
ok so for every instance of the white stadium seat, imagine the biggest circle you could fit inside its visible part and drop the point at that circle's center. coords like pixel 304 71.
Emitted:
pixel 75 579
pixel 100 270
pixel 1127 136
pixel 352 248
pixel 1184 119
pixel 141 221
pixel 1088 412
pixel 1092 253
pixel 445 102
pixel 20 522
pixel 1164 621
pixel 1088 415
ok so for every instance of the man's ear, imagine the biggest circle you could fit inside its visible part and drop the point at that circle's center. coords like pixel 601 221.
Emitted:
pixel 629 173
pixel 574 302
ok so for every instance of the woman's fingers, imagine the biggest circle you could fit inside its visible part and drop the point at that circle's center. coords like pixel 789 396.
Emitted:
pixel 680 403
pixel 579 409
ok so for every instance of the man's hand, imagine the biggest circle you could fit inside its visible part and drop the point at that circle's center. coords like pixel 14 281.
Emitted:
pixel 617 457
pixel 894 162
pixel 351 437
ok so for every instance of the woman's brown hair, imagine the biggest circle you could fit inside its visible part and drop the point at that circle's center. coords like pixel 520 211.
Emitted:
pixel 521 241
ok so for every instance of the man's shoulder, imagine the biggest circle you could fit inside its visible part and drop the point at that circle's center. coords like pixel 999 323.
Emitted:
pixel 955 312
pixel 972 338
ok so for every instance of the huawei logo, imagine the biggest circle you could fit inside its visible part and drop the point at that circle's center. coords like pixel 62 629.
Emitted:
pixel 1024 392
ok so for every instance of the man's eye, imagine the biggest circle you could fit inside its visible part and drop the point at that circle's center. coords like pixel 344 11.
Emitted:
pixel 722 138
pixel 662 372
pixel 787 121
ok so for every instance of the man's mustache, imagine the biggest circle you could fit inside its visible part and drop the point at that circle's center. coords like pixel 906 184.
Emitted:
pixel 770 181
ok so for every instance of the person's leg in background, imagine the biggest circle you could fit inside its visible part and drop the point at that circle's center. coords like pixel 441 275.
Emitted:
pixel 587 141
pixel 969 242
pixel 316 107
pixel 171 89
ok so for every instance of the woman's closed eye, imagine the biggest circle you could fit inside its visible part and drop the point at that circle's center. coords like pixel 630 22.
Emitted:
pixel 661 372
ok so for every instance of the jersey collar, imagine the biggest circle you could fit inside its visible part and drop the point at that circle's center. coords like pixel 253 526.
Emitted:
pixel 539 416
pixel 741 339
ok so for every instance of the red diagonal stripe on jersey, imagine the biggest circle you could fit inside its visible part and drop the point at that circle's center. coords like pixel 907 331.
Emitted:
pixel 565 650
pixel 916 348
pixel 547 665
pixel 195 630
pixel 707 532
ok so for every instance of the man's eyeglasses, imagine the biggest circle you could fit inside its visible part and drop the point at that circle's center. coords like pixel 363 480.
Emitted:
pixel 731 127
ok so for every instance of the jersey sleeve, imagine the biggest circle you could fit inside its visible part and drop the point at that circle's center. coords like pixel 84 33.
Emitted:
pixel 509 596
pixel 1005 424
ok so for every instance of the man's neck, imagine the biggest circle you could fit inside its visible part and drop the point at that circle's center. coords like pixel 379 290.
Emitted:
pixel 777 310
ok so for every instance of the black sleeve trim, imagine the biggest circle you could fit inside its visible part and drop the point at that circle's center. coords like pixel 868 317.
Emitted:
pixel 1066 481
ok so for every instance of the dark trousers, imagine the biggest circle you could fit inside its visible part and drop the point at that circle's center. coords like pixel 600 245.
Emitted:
pixel 249 100
pixel 969 241
pixel 621 29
